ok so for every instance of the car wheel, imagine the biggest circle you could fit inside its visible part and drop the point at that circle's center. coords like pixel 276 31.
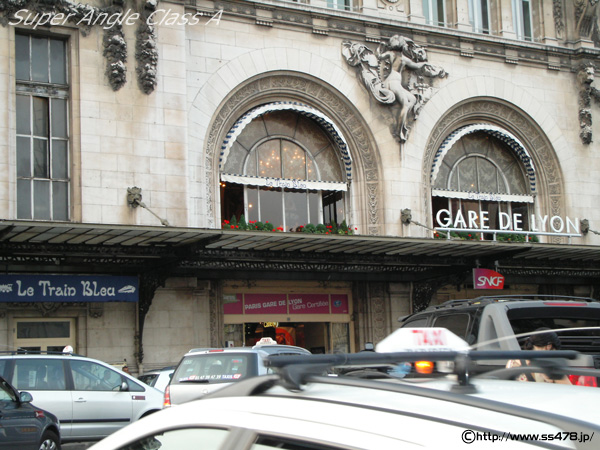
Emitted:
pixel 50 441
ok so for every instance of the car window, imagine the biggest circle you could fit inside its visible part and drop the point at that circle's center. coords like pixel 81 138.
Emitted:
pixel 133 386
pixel 573 320
pixel 457 323
pixel 181 439
pixel 89 376
pixel 216 367
pixel 416 323
pixel 6 394
pixel 39 374
pixel 2 367
pixel 149 379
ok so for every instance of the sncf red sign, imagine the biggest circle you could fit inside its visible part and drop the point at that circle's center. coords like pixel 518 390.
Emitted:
pixel 487 279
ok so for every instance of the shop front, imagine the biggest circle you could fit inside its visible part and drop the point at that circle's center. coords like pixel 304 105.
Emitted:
pixel 301 314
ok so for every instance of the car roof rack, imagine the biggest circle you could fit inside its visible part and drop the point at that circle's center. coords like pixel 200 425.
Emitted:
pixel 23 351
pixel 301 370
pixel 512 298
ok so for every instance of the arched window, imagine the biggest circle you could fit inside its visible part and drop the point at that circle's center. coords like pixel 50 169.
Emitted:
pixel 286 169
pixel 485 177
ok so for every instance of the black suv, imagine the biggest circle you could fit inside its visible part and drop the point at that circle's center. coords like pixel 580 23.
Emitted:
pixel 505 322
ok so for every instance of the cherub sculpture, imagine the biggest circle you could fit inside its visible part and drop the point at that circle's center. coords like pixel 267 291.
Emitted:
pixel 384 74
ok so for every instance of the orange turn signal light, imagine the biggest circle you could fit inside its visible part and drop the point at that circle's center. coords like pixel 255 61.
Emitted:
pixel 425 367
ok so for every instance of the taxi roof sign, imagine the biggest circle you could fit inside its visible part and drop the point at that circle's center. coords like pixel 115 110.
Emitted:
pixel 421 340
pixel 266 341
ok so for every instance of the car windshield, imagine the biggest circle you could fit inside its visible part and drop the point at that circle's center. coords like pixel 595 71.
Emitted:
pixel 217 367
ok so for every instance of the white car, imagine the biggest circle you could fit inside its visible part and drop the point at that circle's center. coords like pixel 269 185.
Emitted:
pixel 158 378
pixel 202 371
pixel 300 409
pixel 91 399
pixel 340 413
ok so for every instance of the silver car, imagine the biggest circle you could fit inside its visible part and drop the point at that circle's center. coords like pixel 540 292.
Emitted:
pixel 201 371
pixel 91 399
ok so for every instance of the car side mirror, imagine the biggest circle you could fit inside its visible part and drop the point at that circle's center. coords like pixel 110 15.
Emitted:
pixel 25 397
pixel 124 386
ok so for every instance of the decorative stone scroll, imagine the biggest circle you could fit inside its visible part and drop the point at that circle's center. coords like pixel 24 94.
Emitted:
pixel 383 73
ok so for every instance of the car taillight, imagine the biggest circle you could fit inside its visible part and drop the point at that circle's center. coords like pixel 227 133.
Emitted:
pixel 583 380
pixel 167 399
pixel 39 414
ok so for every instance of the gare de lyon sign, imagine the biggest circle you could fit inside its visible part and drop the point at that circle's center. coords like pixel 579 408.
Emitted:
pixel 512 224
pixel 479 223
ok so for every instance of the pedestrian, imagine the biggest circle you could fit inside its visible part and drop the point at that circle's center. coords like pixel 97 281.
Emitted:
pixel 540 340
pixel 126 369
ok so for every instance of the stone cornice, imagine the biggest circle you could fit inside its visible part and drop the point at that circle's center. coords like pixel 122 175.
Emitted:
pixel 353 25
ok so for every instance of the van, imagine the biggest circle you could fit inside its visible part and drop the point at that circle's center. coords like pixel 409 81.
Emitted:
pixel 91 398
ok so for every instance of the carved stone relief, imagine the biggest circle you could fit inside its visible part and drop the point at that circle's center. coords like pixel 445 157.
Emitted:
pixel 316 94
pixel 532 137
pixel 384 73
pixel 559 24
pixel 586 19
pixel 585 78
pixel 85 17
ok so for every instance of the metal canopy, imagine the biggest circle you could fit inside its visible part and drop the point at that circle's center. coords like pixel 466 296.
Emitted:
pixel 137 248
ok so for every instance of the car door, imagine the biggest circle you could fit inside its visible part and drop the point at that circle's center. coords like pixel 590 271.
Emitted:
pixel 44 379
pixel 18 426
pixel 100 407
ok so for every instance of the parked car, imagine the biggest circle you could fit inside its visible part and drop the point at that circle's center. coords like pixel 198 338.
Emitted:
pixel 505 322
pixel 201 371
pixel 23 425
pixel 296 408
pixel 158 378
pixel 91 399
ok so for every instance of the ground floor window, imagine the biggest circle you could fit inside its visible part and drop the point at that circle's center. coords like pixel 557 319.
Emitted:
pixel 51 335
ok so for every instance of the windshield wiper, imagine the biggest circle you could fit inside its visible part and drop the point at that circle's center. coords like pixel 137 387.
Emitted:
pixel 194 381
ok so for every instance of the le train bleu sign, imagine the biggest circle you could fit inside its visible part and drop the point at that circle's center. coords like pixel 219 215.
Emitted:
pixel 68 288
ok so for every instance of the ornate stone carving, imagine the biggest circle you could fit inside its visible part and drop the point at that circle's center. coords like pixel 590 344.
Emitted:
pixel 317 94
pixel 146 52
pixel 585 78
pixel 115 52
pixel 115 47
pixel 586 19
pixel 559 24
pixel 383 71
pixel 423 291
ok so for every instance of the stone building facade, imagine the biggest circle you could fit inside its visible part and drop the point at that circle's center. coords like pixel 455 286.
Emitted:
pixel 133 131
